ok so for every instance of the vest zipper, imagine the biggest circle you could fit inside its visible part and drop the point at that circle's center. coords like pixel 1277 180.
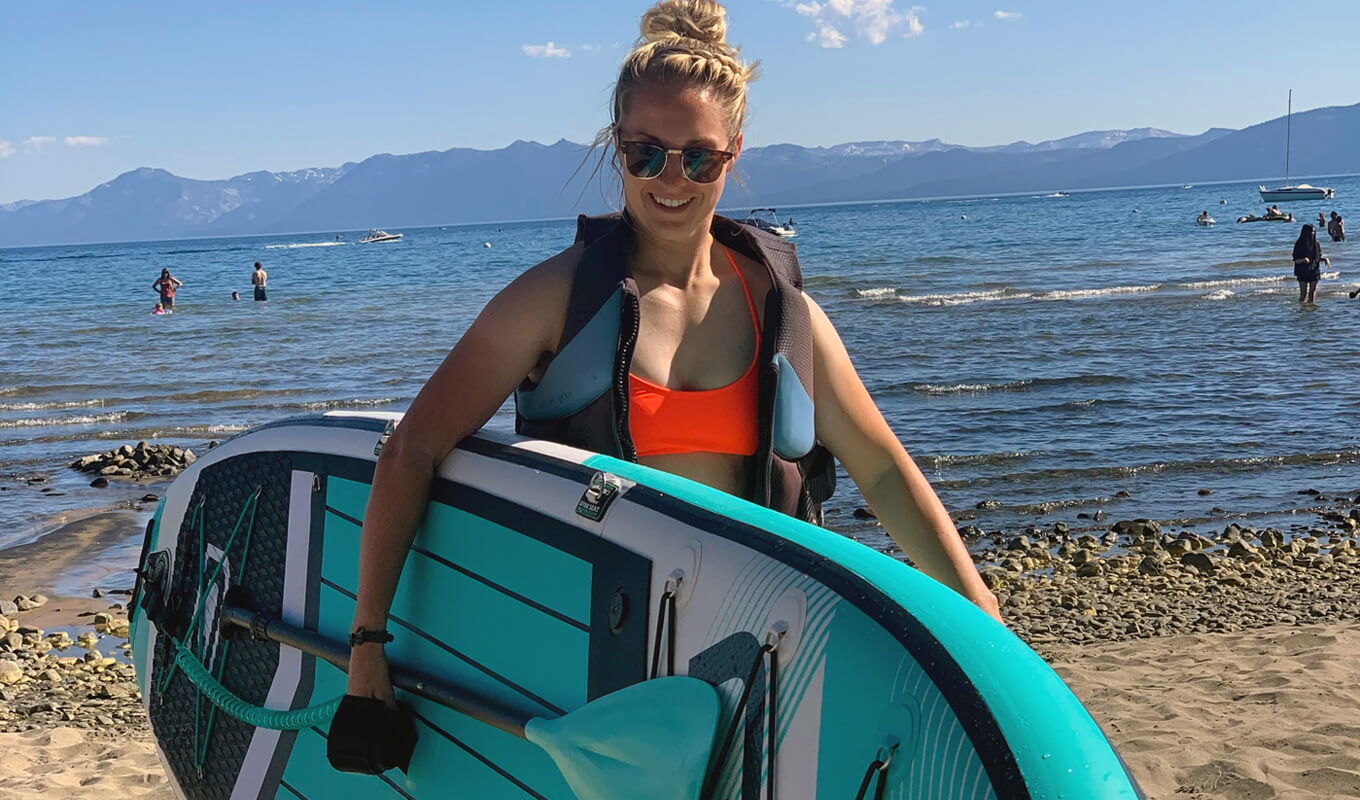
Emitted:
pixel 629 328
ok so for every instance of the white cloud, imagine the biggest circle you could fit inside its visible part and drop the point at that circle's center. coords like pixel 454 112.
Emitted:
pixel 1006 14
pixel 870 20
pixel 37 143
pixel 86 141
pixel 548 50
pixel 591 48
pixel 6 149
pixel 959 25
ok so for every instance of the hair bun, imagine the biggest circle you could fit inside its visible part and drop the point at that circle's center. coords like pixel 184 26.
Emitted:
pixel 701 20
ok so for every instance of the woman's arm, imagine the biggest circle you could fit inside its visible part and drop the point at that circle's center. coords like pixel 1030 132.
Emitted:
pixel 508 338
pixel 850 425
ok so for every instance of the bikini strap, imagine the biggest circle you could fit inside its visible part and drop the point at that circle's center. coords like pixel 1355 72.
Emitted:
pixel 750 302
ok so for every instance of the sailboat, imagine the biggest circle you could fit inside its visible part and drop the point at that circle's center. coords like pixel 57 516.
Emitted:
pixel 1300 191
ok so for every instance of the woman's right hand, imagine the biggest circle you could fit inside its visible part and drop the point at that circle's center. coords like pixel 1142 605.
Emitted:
pixel 368 676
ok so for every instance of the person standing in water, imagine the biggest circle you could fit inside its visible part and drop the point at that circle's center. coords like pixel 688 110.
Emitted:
pixel 166 284
pixel 258 279
pixel 1308 261
pixel 713 306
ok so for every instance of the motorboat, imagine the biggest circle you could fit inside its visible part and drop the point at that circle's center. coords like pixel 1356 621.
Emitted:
pixel 376 235
pixel 1289 192
pixel 770 225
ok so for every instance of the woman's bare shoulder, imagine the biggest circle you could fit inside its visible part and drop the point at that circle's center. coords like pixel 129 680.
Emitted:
pixel 548 282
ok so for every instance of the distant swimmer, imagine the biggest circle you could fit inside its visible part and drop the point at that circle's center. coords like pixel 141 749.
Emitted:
pixel 235 295
pixel 159 309
pixel 258 279
pixel 1336 228
pixel 1203 218
pixel 166 284
pixel 1308 261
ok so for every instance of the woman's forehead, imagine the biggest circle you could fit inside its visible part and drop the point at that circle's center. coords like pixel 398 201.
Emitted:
pixel 677 117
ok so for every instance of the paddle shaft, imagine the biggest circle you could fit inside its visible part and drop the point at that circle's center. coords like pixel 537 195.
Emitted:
pixel 484 709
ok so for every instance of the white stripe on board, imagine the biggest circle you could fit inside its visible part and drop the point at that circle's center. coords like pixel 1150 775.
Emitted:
pixel 289 673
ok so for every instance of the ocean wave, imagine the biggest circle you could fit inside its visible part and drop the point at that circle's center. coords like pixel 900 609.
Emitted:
pixel 1023 385
pixel 876 294
pixel 54 405
pixel 1210 466
pixel 963 298
pixel 302 244
pixel 1235 282
pixel 43 422
pixel 1221 294
pixel 1109 291
pixel 325 405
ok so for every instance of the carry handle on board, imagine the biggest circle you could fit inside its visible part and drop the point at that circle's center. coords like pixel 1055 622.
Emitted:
pixel 652 739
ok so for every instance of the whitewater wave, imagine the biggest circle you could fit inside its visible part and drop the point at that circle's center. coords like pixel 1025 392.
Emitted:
pixel 962 298
pixel 302 244
pixel 43 422
pixel 1109 291
pixel 876 294
pixel 55 405
pixel 1235 282
pixel 1023 385
pixel 1221 294
pixel 326 405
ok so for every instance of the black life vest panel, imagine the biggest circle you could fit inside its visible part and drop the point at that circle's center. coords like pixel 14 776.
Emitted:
pixel 582 398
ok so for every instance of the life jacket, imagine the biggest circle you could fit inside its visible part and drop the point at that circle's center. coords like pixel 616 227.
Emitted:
pixel 582 398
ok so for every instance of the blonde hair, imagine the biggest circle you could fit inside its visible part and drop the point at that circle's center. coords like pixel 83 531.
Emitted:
pixel 683 43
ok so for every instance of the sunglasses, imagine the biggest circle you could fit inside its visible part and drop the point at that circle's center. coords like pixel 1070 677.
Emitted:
pixel 700 164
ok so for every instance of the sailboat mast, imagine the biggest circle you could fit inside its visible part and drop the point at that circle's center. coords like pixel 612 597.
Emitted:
pixel 1288 120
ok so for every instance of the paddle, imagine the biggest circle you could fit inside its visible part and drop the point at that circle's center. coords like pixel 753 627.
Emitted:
pixel 651 739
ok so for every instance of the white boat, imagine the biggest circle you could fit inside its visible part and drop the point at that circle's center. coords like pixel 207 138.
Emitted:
pixel 376 235
pixel 1301 191
pixel 771 225
pixel 1289 192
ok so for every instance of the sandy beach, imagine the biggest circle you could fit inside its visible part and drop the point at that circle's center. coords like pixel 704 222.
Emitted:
pixel 1204 693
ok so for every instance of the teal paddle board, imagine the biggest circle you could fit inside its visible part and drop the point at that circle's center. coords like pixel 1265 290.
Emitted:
pixel 546 579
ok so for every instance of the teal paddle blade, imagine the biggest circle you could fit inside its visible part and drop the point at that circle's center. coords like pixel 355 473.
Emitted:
pixel 652 740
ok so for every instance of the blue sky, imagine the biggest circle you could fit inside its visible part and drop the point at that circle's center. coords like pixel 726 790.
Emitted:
pixel 92 90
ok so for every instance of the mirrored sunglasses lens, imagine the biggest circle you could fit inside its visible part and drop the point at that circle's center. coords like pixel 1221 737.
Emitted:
pixel 645 161
pixel 702 166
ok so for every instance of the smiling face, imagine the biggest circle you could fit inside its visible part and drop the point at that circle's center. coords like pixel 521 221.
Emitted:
pixel 671 207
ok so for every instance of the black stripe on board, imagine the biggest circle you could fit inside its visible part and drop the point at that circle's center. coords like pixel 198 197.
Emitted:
pixel 526 458
pixel 295 792
pixel 456 654
pixel 963 697
pixel 482 579
pixel 467 749
pixel 620 577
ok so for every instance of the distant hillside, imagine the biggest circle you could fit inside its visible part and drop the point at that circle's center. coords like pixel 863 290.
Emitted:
pixel 528 180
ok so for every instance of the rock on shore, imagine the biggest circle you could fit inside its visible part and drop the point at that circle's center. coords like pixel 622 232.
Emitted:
pixel 138 463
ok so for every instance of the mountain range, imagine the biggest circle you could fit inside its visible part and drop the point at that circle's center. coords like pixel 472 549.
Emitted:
pixel 528 180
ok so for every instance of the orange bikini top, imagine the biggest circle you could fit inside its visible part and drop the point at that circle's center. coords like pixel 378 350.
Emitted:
pixel 665 421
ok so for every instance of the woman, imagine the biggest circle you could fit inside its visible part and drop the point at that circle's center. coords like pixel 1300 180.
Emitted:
pixel 166 285
pixel 711 301
pixel 1308 261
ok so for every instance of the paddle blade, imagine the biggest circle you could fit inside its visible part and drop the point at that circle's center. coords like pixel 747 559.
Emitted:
pixel 650 740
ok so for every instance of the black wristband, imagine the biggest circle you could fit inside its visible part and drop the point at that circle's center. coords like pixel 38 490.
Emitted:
pixel 362 635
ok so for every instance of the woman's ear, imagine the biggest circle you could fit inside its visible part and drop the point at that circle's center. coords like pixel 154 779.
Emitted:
pixel 736 148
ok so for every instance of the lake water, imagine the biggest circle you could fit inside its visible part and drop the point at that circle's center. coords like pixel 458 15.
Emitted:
pixel 1042 353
